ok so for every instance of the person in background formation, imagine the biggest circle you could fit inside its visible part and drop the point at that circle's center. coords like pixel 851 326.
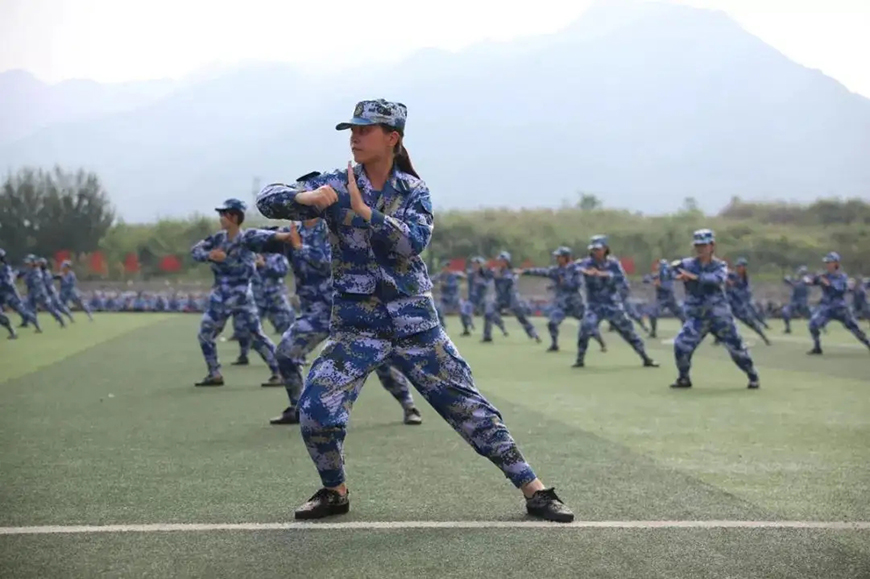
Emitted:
pixel 739 295
pixel 449 288
pixel 604 277
pixel 506 298
pixel 663 281
pixel 833 306
pixel 37 294
pixel 707 310
pixel 568 301
pixel 632 310
pixel 276 306
pixel 380 218
pixel 9 295
pixel 479 279
pixel 51 291
pixel 798 305
pixel 68 290
pixel 311 260
pixel 858 287
pixel 230 252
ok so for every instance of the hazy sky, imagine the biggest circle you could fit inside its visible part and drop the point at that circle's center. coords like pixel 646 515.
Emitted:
pixel 116 40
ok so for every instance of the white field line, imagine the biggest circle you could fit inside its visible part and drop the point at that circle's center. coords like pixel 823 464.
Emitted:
pixel 396 525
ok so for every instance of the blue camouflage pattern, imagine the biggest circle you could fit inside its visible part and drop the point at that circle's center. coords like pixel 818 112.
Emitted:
pixel 506 298
pixel 567 300
pixel 10 297
pixel 231 293
pixel 69 292
pixel 382 311
pixel 798 305
pixel 739 294
pixel 708 311
pixel 604 302
pixel 833 306
pixel 665 297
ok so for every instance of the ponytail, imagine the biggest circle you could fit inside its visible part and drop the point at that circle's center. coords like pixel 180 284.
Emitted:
pixel 403 160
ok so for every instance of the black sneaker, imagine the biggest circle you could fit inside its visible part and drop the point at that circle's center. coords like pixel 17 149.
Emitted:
pixel 241 361
pixel 815 352
pixel 766 340
pixel 413 417
pixel 211 381
pixel 578 364
pixel 465 333
pixel 289 416
pixel 486 341
pixel 682 383
pixel 324 503
pixel 753 383
pixel 12 337
pixel 650 363
pixel 537 339
pixel 553 348
pixel 544 504
pixel 275 380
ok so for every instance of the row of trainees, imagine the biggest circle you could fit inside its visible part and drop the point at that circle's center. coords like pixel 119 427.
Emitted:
pixel 42 293
pixel 568 278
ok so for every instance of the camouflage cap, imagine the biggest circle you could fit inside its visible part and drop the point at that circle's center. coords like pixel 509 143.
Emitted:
pixel 232 205
pixel 832 257
pixel 703 237
pixel 741 261
pixel 375 112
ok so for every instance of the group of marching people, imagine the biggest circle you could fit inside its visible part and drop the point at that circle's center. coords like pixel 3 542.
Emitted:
pixel 41 293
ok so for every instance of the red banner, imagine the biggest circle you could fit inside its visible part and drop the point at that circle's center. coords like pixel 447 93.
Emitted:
pixel 61 256
pixel 131 263
pixel 627 264
pixel 456 264
pixel 98 263
pixel 170 264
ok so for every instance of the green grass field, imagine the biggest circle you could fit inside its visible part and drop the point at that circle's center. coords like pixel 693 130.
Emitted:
pixel 101 425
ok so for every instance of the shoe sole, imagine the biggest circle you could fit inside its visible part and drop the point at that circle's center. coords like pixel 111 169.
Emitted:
pixel 309 515
pixel 555 518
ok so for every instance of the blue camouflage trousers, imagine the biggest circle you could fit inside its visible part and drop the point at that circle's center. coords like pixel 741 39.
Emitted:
pixel 14 302
pixel 793 310
pixel 614 314
pixel 54 298
pixel 309 330
pixel 220 307
pixel 277 309
pixel 4 321
pixel 662 303
pixel 75 297
pixel 841 313
pixel 557 315
pixel 744 312
pixel 493 317
pixel 433 365
pixel 34 300
pixel 719 322
pixel 466 316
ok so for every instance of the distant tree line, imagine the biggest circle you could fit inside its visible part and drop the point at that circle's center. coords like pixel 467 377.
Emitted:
pixel 46 212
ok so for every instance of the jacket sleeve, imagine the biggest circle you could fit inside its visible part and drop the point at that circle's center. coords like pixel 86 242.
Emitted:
pixel 199 252
pixel 278 200
pixel 409 235
pixel 258 240
pixel 716 277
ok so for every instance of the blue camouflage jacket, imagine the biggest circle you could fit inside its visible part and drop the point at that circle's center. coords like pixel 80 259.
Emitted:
pixel 834 293
pixel 707 293
pixel 607 290
pixel 366 255
pixel 233 275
